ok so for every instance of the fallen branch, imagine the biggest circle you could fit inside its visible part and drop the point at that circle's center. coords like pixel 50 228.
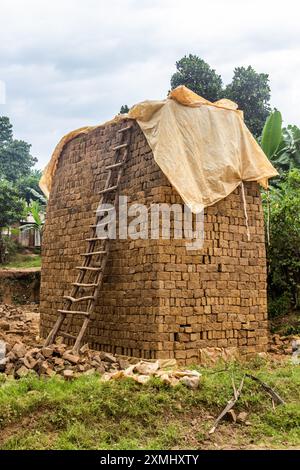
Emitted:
pixel 229 405
pixel 275 397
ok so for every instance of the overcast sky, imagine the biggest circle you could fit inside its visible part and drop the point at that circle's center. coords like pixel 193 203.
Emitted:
pixel 68 63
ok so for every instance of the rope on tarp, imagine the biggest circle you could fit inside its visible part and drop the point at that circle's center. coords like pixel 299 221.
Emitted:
pixel 245 211
pixel 268 216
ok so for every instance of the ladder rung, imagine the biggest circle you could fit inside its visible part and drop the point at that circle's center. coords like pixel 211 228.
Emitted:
pixel 121 146
pixel 125 129
pixel 73 312
pixel 80 299
pixel 115 165
pixel 67 335
pixel 107 190
pixel 81 284
pixel 95 239
pixel 101 224
pixel 94 253
pixel 105 210
pixel 88 268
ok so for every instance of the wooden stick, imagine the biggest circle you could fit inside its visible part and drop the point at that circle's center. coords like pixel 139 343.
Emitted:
pixel 234 387
pixel 229 406
pixel 275 397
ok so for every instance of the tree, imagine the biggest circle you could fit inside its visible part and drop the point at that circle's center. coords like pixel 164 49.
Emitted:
pixel 15 160
pixel 124 109
pixel 6 133
pixel 28 186
pixel 198 76
pixel 15 168
pixel 251 91
pixel 11 210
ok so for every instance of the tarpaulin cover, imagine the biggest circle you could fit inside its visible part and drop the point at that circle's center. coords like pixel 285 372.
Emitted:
pixel 204 148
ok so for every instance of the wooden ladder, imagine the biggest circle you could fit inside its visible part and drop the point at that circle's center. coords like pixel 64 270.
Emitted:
pixel 91 273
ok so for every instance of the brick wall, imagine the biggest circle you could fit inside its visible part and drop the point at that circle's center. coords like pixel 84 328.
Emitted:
pixel 158 299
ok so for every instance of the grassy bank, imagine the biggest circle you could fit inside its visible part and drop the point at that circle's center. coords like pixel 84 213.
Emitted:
pixel 88 414
pixel 24 261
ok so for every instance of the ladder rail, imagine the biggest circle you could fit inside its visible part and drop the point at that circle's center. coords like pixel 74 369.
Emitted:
pixel 101 254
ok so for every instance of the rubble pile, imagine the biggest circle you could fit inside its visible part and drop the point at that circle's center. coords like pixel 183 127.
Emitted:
pixel 282 344
pixel 19 360
pixel 19 323
pixel 143 371
pixel 22 352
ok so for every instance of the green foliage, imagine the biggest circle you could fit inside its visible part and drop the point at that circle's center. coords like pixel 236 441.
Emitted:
pixel 28 187
pixel 35 209
pixel 12 208
pixel 6 133
pixel 287 155
pixel 251 91
pixel 15 160
pixel 283 253
pixel 124 109
pixel 279 304
pixel 17 180
pixel 282 146
pixel 198 76
pixel 19 260
pixel 11 248
pixel 271 134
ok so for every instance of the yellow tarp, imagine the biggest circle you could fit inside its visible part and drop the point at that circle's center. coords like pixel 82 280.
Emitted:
pixel 204 148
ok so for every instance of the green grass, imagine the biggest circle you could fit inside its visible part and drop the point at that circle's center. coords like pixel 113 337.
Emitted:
pixel 24 261
pixel 88 414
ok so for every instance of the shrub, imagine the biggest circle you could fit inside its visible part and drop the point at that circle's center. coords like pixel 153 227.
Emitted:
pixel 283 252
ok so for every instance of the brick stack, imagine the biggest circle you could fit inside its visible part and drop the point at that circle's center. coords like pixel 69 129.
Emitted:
pixel 158 299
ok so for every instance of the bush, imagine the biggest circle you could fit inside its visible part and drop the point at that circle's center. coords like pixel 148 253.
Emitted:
pixel 283 253
pixel 11 248
pixel 280 305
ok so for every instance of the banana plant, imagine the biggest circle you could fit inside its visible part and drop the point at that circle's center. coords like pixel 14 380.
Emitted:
pixel 287 155
pixel 281 145
pixel 271 135
pixel 35 210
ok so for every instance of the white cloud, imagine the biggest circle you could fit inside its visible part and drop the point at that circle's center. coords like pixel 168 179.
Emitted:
pixel 67 63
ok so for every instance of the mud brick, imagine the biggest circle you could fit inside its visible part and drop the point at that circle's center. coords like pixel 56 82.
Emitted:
pixel 30 362
pixel 22 371
pixel 68 374
pixel 19 350
pixel 156 296
pixel 74 359
pixel 47 351
pixel 180 354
